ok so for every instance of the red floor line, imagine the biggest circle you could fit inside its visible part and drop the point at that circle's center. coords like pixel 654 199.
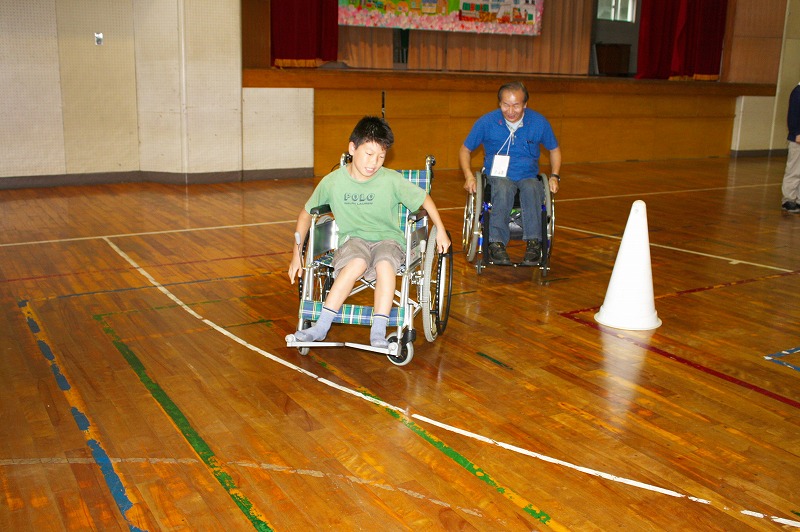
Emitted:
pixel 694 365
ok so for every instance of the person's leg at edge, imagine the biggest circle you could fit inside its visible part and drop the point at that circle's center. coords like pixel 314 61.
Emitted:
pixel 345 280
pixel 384 293
pixel 790 187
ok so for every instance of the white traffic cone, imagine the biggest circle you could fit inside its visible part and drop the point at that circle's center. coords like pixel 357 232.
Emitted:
pixel 629 302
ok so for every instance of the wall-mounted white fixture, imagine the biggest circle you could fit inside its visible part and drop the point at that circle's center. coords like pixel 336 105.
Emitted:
pixel 98 39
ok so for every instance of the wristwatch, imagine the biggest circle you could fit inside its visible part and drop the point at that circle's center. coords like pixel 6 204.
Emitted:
pixel 558 177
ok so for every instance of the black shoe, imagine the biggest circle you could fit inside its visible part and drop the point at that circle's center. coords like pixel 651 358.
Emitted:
pixel 498 254
pixel 791 206
pixel 533 252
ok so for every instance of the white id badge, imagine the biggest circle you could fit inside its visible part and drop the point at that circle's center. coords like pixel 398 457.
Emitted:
pixel 500 165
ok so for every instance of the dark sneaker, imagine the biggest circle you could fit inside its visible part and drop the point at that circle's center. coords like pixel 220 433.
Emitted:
pixel 791 206
pixel 533 252
pixel 498 253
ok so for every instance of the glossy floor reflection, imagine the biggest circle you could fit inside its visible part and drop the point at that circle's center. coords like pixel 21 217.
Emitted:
pixel 146 383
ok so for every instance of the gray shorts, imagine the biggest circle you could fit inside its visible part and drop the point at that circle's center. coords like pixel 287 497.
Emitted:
pixel 371 252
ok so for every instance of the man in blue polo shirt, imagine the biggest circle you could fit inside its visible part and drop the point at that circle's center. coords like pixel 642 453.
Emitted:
pixel 511 136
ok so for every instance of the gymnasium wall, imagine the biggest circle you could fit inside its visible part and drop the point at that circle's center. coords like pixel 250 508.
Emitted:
pixel 161 93
pixel 789 73
pixel 164 98
pixel 31 120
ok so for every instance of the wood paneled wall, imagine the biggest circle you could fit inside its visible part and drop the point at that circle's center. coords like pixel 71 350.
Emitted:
pixel 256 45
pixel 366 47
pixel 593 127
pixel 453 78
pixel 595 119
pixel 562 48
pixel 753 41
pixel 751 51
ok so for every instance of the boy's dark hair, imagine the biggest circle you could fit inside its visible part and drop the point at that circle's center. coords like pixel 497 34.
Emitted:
pixel 513 86
pixel 372 129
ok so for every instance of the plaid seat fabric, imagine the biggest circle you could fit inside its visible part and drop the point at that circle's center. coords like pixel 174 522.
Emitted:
pixel 326 259
pixel 349 314
pixel 419 178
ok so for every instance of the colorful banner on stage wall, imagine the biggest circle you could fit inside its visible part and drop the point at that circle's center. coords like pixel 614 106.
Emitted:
pixel 509 17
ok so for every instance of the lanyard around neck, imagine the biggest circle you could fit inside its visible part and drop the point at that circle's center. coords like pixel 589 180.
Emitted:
pixel 510 139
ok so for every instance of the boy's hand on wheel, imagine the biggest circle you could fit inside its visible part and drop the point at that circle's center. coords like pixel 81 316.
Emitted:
pixel 442 241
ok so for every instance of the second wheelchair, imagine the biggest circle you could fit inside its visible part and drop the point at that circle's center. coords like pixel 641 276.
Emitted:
pixel 475 231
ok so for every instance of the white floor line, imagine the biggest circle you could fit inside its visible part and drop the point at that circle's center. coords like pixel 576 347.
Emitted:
pixel 127 235
pixel 279 222
pixel 658 193
pixel 665 192
pixel 444 426
pixel 681 250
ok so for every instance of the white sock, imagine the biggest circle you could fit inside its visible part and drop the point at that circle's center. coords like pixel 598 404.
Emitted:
pixel 320 329
pixel 377 334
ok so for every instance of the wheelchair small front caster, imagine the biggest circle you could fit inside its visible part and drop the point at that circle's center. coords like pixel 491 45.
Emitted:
pixel 400 353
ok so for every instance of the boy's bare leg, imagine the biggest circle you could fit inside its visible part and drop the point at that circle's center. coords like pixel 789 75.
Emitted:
pixel 345 280
pixel 384 293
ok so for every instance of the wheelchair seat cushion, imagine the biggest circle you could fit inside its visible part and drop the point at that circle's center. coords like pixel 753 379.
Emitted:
pixel 350 314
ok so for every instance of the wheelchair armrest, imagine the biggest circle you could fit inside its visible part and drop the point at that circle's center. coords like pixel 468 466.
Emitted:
pixel 320 209
pixel 416 216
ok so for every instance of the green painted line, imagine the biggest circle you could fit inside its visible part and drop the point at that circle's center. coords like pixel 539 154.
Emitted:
pixel 207 455
pixel 494 360
pixel 540 515
pixel 464 462
pixel 192 437
pixel 795 512
pixel 262 321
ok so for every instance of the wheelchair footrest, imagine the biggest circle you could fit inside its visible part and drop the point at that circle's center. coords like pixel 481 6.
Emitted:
pixel 291 341
pixel 391 350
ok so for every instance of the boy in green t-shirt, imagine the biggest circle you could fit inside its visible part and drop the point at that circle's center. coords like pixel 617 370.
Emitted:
pixel 363 197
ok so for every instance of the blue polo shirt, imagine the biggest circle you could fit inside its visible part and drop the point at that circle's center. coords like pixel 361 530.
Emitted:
pixel 491 131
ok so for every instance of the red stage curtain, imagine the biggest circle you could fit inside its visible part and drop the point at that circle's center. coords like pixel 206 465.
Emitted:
pixel 304 34
pixel 681 39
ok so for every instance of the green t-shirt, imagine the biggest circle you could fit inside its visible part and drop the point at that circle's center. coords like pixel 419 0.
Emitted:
pixel 367 209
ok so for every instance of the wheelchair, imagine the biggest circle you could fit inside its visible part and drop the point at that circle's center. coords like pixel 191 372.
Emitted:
pixel 476 224
pixel 426 280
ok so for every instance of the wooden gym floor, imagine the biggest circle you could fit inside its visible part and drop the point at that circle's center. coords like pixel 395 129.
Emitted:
pixel 146 385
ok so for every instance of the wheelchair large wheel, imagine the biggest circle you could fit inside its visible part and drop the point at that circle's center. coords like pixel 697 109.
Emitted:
pixel 471 231
pixel 548 227
pixel 322 282
pixel 437 286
